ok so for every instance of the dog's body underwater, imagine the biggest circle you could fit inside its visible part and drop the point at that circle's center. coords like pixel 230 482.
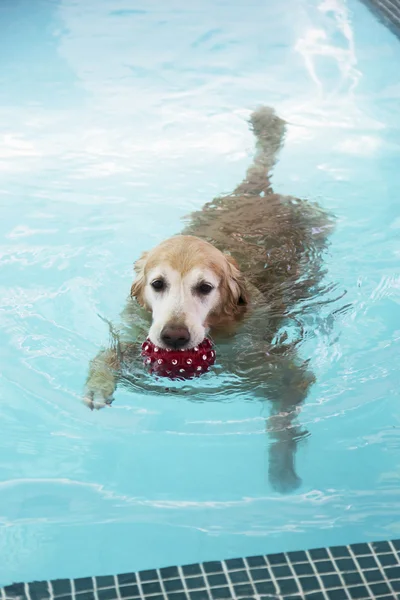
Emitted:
pixel 243 259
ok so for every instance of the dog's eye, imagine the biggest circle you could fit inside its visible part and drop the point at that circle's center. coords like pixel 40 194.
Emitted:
pixel 204 288
pixel 158 285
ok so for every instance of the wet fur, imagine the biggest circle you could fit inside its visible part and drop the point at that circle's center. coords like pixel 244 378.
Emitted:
pixel 265 249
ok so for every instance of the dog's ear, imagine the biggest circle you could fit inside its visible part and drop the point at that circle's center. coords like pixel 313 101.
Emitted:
pixel 236 282
pixel 234 288
pixel 137 289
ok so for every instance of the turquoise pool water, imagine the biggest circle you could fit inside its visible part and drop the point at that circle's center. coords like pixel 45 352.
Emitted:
pixel 117 119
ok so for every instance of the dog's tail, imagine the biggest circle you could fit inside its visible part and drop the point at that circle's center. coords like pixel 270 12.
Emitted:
pixel 269 131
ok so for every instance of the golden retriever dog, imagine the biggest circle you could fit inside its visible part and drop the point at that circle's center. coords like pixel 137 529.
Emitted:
pixel 235 273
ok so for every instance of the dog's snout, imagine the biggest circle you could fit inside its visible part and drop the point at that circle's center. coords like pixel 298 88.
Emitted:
pixel 175 336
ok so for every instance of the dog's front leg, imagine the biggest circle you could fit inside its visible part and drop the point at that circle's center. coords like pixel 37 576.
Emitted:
pixel 287 392
pixel 102 379
pixel 284 435
pixel 284 380
pixel 105 368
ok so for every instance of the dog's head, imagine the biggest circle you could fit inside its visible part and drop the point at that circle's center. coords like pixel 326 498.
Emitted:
pixel 187 285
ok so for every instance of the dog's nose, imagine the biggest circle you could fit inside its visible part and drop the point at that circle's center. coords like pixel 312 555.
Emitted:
pixel 175 336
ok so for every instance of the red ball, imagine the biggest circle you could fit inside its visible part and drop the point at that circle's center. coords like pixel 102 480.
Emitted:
pixel 178 364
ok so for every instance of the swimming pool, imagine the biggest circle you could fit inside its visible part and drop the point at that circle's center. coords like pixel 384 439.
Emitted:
pixel 118 119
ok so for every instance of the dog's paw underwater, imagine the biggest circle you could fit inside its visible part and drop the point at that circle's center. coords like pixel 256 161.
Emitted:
pixel 178 364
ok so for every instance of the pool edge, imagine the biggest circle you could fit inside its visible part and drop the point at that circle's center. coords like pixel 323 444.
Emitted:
pixel 361 571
